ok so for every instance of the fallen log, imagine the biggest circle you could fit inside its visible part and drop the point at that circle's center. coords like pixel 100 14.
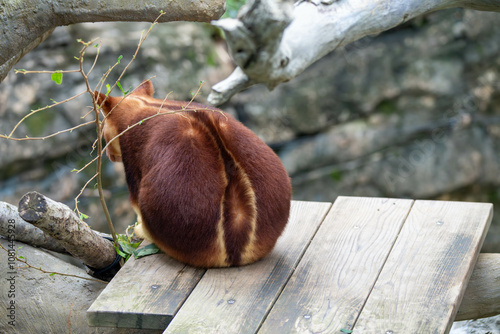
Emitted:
pixel 13 227
pixel 63 224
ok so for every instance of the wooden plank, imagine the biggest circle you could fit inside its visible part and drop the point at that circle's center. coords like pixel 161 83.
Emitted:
pixel 145 293
pixel 234 300
pixel 425 276
pixel 338 270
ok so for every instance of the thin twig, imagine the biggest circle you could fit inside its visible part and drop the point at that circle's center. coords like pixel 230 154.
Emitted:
pixel 99 149
pixel 49 272
pixel 57 71
pixel 81 192
pixel 163 102
pixel 196 94
pixel 96 56
pixel 141 41
pixel 41 109
pixel 49 136
pixel 88 113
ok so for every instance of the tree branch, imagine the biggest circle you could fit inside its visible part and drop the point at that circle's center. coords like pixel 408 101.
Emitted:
pixel 12 226
pixel 25 24
pixel 272 43
pixel 60 222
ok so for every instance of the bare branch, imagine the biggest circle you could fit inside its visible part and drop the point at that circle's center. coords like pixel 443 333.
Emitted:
pixel 13 227
pixel 51 135
pixel 271 43
pixel 41 109
pixel 35 20
pixel 60 222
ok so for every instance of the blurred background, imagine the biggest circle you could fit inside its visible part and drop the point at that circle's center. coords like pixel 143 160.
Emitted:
pixel 410 113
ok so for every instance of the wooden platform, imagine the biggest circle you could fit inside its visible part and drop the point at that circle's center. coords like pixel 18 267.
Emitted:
pixel 361 265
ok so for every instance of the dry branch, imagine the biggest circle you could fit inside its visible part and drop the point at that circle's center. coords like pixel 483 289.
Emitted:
pixel 271 42
pixel 59 221
pixel 25 24
pixel 12 226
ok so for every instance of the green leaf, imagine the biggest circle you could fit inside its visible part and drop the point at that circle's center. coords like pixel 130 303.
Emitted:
pixel 108 89
pixel 52 274
pixel 57 77
pixel 145 251
pixel 83 216
pixel 348 331
pixel 119 58
pixel 127 247
pixel 122 254
pixel 21 257
pixel 121 88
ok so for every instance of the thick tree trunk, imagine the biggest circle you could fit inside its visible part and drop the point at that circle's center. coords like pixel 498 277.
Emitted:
pixel 271 42
pixel 60 222
pixel 25 24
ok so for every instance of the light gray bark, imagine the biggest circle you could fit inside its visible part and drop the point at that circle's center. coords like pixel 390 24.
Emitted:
pixel 12 226
pixel 60 222
pixel 25 24
pixel 271 42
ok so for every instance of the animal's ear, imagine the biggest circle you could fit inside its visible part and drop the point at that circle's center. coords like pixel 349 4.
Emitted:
pixel 109 102
pixel 145 88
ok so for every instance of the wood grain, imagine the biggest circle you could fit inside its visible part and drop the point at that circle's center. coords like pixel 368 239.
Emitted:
pixel 482 296
pixel 234 300
pixel 339 268
pixel 145 293
pixel 424 278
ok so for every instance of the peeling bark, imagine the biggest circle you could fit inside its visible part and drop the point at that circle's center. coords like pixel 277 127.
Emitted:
pixel 25 24
pixel 272 43
pixel 59 221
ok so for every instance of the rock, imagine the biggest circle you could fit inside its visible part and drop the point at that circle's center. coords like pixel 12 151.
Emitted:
pixel 413 112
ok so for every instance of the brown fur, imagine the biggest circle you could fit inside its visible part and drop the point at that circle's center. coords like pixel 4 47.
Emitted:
pixel 206 189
